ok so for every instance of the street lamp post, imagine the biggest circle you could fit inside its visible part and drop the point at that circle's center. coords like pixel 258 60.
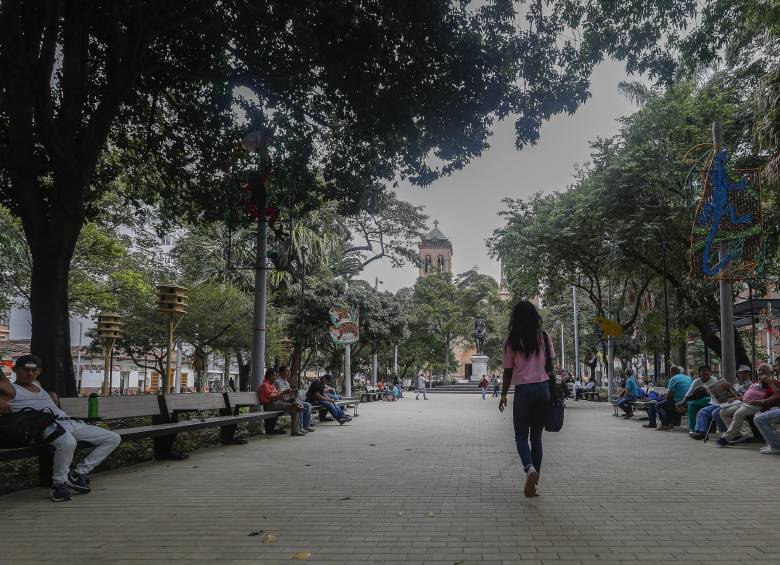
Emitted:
pixel 109 330
pixel 172 301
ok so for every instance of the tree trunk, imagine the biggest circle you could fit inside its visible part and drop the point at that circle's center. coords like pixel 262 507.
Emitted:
pixel 682 356
pixel 243 372
pixel 297 355
pixel 50 314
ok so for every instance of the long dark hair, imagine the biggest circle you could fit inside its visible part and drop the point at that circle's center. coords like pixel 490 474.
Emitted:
pixel 524 326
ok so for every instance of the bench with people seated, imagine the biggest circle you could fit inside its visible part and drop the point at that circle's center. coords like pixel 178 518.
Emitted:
pixel 165 412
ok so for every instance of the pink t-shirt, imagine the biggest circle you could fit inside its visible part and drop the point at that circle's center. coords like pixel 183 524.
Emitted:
pixel 754 392
pixel 527 370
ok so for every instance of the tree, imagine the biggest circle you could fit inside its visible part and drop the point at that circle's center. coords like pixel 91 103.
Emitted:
pixel 625 225
pixel 355 93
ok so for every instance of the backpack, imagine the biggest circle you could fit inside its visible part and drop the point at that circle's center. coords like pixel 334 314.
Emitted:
pixel 26 427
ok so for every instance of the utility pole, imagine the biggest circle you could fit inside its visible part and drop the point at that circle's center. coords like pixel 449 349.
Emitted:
pixel 770 345
pixel 576 334
pixel 667 338
pixel 395 360
pixel 257 142
pixel 348 370
pixel 728 365
pixel 610 351
pixel 563 349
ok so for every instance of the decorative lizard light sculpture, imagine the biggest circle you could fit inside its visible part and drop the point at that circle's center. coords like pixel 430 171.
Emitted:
pixel 717 209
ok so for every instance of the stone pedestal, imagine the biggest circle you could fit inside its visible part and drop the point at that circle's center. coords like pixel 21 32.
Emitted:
pixel 479 367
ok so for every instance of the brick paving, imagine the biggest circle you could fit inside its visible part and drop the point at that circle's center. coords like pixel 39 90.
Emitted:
pixel 418 482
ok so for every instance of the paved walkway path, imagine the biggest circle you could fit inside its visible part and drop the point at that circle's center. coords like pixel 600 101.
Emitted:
pixel 421 482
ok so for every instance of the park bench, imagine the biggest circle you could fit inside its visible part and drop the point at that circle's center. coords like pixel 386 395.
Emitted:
pixel 164 410
pixel 592 395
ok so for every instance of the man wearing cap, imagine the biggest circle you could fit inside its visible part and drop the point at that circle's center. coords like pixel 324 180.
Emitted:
pixel 27 393
pixel 712 411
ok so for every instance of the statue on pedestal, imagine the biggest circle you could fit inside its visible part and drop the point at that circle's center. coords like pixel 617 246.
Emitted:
pixel 480 334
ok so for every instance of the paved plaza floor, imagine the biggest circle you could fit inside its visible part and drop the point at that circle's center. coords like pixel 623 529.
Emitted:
pixel 434 481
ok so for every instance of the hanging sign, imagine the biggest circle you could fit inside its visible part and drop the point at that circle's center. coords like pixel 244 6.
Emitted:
pixel 344 329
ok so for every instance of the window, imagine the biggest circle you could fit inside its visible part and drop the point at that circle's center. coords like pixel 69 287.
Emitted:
pixel 167 240
pixel 427 263
pixel 440 262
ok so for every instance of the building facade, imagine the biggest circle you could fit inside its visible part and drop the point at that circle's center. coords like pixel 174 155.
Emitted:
pixel 435 252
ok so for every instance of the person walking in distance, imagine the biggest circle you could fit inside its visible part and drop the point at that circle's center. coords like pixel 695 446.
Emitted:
pixel 524 368
pixel 421 382
pixel 483 384
pixel 495 384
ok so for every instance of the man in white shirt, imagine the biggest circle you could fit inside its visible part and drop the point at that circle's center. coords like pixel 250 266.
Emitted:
pixel 282 384
pixel 27 393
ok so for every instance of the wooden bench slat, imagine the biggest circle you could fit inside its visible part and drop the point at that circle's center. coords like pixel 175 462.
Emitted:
pixel 114 407
pixel 194 402
pixel 239 399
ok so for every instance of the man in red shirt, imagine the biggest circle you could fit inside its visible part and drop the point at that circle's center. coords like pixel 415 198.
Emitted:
pixel 271 399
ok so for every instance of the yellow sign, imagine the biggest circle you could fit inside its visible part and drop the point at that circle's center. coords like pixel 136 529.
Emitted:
pixel 610 327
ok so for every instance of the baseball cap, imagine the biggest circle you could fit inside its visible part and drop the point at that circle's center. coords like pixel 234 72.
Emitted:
pixel 28 362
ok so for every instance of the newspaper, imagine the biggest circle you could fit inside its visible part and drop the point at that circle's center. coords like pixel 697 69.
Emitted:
pixel 723 391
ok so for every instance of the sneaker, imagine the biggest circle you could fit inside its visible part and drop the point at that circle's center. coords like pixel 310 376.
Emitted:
pixel 738 439
pixel 721 442
pixel 78 482
pixel 654 426
pixel 342 421
pixel 770 451
pixel 60 493
pixel 309 430
pixel 298 433
pixel 531 480
pixel 663 428
pixel 698 436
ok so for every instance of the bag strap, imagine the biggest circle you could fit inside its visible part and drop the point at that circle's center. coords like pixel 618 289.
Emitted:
pixel 548 364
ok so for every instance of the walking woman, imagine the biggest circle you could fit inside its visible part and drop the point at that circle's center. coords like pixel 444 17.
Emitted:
pixel 524 367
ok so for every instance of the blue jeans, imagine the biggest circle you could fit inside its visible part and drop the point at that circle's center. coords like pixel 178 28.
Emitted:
pixel 765 422
pixel 664 409
pixel 625 404
pixel 306 416
pixel 495 392
pixel 705 417
pixel 484 390
pixel 334 410
pixel 529 412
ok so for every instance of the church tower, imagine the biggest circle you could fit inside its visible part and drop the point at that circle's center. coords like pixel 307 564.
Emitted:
pixel 435 252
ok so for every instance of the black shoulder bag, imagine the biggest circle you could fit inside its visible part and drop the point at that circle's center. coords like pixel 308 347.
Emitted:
pixel 26 427
pixel 554 420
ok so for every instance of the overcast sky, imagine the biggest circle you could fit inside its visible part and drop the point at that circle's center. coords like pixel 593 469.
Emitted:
pixel 466 203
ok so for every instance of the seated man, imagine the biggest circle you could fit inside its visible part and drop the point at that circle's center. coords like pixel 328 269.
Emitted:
pixel 66 432
pixel 330 392
pixel 752 401
pixel 272 400
pixel 696 399
pixel 578 390
pixel 282 384
pixel 630 394
pixel 317 397
pixel 677 386
pixel 707 414
pixel 770 416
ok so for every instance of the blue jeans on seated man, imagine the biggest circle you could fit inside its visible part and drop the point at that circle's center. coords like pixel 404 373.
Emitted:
pixel 625 404
pixel 305 416
pixel 664 409
pixel 334 410
pixel 705 417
